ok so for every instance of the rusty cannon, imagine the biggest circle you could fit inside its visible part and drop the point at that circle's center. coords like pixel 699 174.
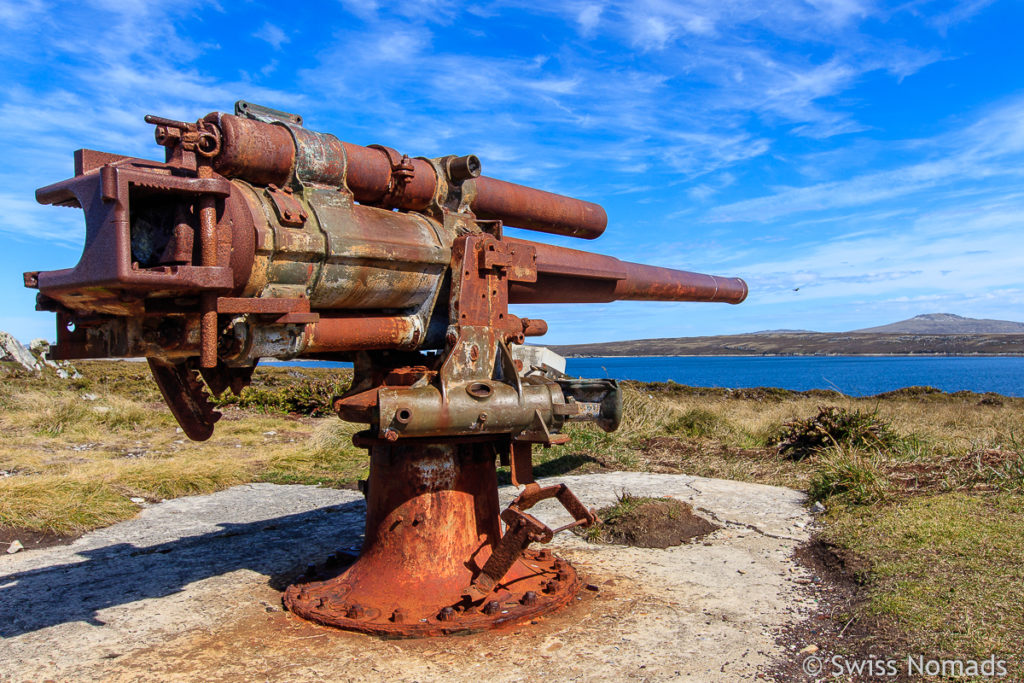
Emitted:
pixel 259 238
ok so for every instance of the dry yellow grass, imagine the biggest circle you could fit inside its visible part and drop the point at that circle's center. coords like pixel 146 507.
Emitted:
pixel 75 453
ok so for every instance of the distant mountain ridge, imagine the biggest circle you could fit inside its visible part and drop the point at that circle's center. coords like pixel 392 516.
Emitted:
pixel 946 323
pixel 940 334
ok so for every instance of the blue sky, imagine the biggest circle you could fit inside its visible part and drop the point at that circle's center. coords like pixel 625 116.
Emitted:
pixel 867 153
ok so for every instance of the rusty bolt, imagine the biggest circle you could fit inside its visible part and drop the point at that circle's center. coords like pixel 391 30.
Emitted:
pixel 391 435
pixel 544 555
pixel 549 586
pixel 529 599
pixel 356 611
pixel 492 608
pixel 447 614
pixel 474 352
pixel 482 417
pixel 563 574
pixel 399 616
pixel 452 338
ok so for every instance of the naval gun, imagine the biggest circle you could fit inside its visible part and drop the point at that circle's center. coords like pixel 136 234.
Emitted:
pixel 257 237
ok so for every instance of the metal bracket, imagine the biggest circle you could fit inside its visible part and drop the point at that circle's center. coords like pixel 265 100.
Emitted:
pixel 258 112
pixel 523 529
pixel 289 209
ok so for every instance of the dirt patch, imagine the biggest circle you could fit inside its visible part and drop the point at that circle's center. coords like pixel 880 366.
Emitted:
pixel 648 523
pixel 30 539
pixel 980 470
pixel 840 624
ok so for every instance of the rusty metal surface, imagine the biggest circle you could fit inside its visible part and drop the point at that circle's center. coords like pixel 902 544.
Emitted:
pixel 431 525
pixel 336 334
pixel 526 207
pixel 573 276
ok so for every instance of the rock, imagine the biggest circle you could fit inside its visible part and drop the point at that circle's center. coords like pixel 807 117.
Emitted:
pixel 14 547
pixel 817 508
pixel 809 650
pixel 12 350
pixel 39 347
pixel 89 397
pixel 137 500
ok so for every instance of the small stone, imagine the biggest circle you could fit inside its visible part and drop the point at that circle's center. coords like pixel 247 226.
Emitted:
pixel 14 547
pixel 178 430
pixel 809 650
pixel 89 397
pixel 137 500
pixel 270 433
pixel 817 508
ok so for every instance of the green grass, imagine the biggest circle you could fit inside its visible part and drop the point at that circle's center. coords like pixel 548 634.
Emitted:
pixel 945 568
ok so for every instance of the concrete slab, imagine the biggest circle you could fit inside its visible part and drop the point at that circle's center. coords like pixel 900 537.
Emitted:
pixel 190 590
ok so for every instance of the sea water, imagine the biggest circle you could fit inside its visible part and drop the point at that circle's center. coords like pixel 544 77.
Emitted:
pixel 852 375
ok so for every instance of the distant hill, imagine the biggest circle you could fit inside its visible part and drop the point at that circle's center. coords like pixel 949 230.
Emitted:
pixel 932 334
pixel 947 323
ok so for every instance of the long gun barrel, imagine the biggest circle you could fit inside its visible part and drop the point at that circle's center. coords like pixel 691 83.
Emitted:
pixel 259 238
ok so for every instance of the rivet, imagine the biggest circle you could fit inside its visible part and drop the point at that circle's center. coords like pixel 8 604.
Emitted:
pixel 447 614
pixel 491 608
pixel 529 599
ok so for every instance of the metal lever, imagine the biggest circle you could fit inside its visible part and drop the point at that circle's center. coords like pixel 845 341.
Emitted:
pixel 523 529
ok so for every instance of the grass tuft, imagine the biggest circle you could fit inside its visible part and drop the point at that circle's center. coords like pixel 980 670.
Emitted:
pixel 849 474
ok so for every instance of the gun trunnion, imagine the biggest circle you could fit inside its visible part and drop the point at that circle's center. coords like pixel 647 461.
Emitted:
pixel 259 238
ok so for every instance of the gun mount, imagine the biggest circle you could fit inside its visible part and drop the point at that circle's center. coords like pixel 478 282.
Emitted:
pixel 259 238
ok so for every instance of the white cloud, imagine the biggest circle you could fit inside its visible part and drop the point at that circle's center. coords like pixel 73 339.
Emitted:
pixel 588 18
pixel 992 146
pixel 272 34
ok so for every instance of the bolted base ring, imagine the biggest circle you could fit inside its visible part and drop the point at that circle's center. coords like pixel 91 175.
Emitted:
pixel 538 583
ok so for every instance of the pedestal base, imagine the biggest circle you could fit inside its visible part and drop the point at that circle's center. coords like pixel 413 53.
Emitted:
pixel 431 524
pixel 537 584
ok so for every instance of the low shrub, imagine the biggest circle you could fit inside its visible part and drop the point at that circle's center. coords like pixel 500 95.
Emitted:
pixel 834 426
pixel 695 422
pixel 311 397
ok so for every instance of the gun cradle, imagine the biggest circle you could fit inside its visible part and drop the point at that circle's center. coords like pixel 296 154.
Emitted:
pixel 258 238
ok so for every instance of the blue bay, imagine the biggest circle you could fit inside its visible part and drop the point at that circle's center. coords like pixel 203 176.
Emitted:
pixel 852 375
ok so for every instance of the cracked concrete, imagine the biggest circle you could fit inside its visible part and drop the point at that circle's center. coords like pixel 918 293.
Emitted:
pixel 190 589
